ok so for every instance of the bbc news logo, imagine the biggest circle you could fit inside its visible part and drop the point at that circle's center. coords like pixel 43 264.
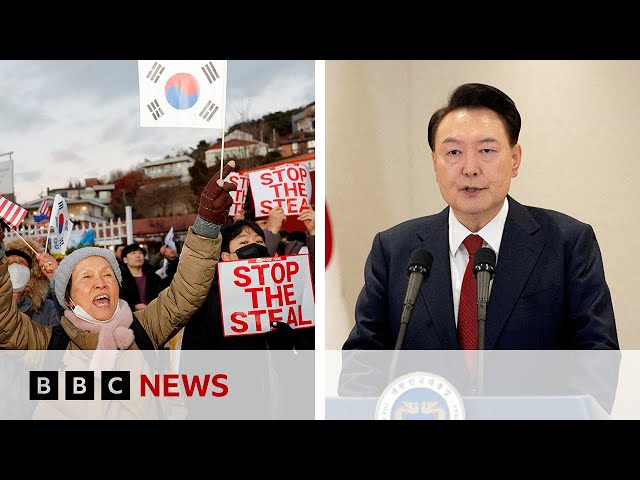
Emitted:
pixel 80 385
pixel 116 385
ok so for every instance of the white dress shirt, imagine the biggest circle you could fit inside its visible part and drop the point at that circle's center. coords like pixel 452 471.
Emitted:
pixel 491 235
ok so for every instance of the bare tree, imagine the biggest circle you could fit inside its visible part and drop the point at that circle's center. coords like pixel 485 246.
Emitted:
pixel 115 175
pixel 160 198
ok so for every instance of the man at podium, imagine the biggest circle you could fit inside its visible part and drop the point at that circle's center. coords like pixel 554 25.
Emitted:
pixel 547 289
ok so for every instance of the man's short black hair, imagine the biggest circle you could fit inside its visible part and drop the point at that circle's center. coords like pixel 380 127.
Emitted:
pixel 132 247
pixel 231 231
pixel 477 96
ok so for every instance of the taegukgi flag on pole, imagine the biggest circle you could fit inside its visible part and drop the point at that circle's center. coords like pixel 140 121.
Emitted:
pixel 12 214
pixel 61 224
pixel 182 93
pixel 169 240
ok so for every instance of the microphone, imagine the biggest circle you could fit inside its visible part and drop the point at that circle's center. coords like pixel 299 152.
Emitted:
pixel 484 269
pixel 418 271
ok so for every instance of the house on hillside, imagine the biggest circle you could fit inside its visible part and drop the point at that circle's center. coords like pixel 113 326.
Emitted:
pixel 237 145
pixel 304 121
pixel 298 143
pixel 90 203
pixel 176 168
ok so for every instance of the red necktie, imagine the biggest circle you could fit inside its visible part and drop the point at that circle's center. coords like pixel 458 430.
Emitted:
pixel 468 308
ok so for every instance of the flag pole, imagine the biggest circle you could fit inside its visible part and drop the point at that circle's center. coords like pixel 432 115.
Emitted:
pixel 32 249
pixel 46 244
pixel 224 113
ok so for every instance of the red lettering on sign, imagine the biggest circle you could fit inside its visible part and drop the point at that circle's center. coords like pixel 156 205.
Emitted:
pixel 238 273
pixel 236 318
pixel 275 315
pixel 266 179
pixel 295 318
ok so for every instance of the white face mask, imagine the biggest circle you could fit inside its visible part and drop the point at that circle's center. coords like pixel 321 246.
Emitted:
pixel 84 315
pixel 20 276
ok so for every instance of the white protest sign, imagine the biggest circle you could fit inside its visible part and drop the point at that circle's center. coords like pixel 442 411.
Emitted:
pixel 287 186
pixel 239 195
pixel 258 291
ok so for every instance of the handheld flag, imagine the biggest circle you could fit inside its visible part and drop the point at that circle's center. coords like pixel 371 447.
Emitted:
pixel 169 241
pixel 182 93
pixel 12 214
pixel 61 224
pixel 43 215
pixel 44 208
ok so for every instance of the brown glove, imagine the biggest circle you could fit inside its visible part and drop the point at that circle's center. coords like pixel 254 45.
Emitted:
pixel 215 200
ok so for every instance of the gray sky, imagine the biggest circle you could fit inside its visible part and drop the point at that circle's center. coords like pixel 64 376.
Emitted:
pixel 67 120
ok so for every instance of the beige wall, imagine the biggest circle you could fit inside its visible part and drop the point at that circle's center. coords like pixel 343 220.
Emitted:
pixel 580 137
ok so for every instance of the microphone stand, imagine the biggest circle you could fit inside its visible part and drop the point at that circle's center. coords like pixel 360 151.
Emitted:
pixel 482 317
pixel 483 278
pixel 418 272
pixel 404 321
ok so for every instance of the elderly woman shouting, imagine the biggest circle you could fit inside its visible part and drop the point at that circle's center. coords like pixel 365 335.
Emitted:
pixel 87 284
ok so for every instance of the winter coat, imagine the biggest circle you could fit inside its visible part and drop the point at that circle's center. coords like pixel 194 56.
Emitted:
pixel 47 315
pixel 129 291
pixel 161 319
pixel 35 300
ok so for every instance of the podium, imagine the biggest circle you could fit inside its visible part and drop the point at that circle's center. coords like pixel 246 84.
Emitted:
pixel 567 407
pixel 503 385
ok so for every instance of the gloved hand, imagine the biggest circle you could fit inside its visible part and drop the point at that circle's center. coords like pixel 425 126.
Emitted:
pixel 215 200
pixel 280 337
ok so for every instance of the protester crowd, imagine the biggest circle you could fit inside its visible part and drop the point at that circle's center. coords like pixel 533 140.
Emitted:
pixel 31 268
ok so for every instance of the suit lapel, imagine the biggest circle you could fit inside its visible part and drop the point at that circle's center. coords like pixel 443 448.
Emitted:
pixel 519 252
pixel 436 294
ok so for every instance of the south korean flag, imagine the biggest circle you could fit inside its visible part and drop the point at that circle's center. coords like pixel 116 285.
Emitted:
pixel 182 93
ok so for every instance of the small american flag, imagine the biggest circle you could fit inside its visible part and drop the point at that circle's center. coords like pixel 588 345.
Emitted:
pixel 44 214
pixel 12 214
pixel 44 208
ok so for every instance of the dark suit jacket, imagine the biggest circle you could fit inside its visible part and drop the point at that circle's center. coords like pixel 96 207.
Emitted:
pixel 549 290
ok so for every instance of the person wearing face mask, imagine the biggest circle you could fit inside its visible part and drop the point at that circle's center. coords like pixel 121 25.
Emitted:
pixel 87 284
pixel 272 228
pixel 240 240
pixel 244 239
pixel 30 285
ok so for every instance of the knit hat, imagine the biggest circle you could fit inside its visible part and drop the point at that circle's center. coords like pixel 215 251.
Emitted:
pixel 62 275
